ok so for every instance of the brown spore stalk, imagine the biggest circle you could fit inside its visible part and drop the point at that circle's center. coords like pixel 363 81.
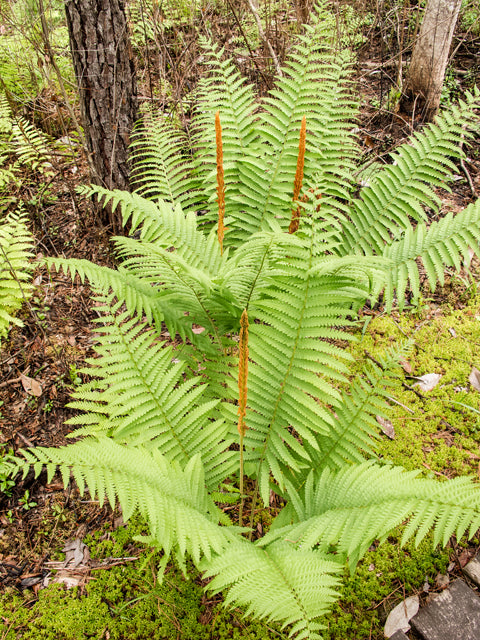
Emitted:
pixel 297 183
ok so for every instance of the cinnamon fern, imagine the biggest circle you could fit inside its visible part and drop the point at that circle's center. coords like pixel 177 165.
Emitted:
pixel 163 423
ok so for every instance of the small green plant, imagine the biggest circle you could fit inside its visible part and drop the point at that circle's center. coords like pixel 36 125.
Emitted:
pixel 256 250
pixel 26 502
pixel 74 375
pixel 6 482
pixel 48 406
pixel 16 245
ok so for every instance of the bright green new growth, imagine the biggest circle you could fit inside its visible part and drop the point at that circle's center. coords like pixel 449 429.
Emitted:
pixel 160 422
pixel 16 244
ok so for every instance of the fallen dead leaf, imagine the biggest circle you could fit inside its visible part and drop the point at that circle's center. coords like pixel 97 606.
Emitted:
pixel 76 553
pixel 31 386
pixel 406 366
pixel 427 382
pixel 474 378
pixel 464 557
pixel 453 333
pixel 401 615
pixel 387 427
pixel 197 329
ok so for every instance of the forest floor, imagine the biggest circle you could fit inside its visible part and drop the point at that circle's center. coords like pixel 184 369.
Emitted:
pixel 39 517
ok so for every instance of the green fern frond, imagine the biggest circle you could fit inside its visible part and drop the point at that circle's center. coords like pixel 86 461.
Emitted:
pixel 354 427
pixel 180 513
pixel 277 582
pixel 5 114
pixel 314 84
pixel 403 190
pixel 293 361
pixel 161 166
pixel 351 508
pixel 142 399
pixel 443 243
pixel 31 146
pixel 223 90
pixel 16 244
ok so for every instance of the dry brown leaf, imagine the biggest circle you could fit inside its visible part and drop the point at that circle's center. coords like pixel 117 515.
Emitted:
pixel 76 553
pixel 406 366
pixel 387 427
pixel 31 386
pixel 474 378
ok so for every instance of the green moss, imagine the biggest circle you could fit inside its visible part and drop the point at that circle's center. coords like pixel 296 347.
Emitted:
pixel 381 580
pixel 438 431
pixel 126 602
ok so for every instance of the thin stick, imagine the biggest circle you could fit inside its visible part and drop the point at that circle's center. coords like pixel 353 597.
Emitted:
pixel 220 181
pixel 265 39
pixel 242 396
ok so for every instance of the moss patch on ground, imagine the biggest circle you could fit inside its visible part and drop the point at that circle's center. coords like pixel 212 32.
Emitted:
pixel 437 430
pixel 126 602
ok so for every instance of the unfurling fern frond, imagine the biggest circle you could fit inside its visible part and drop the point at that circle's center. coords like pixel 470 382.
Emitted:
pixel 16 244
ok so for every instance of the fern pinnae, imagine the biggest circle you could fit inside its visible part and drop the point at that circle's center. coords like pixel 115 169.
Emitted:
pixel 174 501
pixel 445 242
pixel 403 190
pixel 278 582
pixel 377 499
pixel 16 244
pixel 149 403
pixel 160 166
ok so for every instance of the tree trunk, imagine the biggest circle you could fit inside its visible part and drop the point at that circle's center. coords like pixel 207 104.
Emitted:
pixel 105 72
pixel 423 86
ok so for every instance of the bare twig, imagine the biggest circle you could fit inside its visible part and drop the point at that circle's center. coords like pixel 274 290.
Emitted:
pixel 264 38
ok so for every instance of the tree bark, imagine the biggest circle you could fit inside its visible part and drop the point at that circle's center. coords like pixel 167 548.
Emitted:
pixel 105 73
pixel 424 82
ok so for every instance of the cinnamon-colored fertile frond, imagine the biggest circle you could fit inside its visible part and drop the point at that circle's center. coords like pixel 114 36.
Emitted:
pixel 243 372
pixel 220 181
pixel 297 184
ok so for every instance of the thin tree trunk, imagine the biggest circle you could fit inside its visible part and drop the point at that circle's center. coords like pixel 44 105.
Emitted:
pixel 105 72
pixel 424 82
